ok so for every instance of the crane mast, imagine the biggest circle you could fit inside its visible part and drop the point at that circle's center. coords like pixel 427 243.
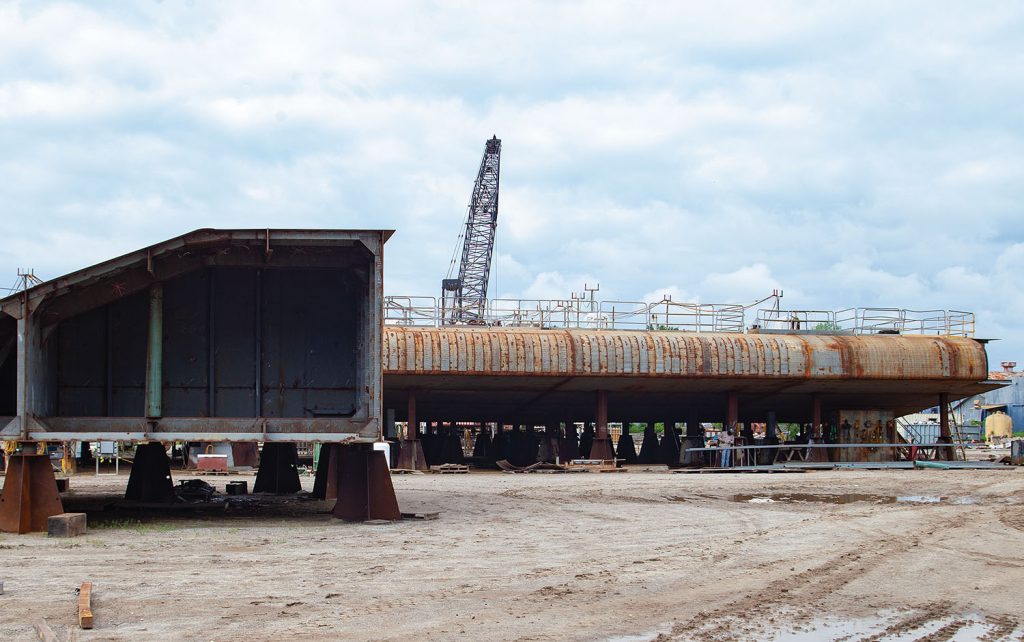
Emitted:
pixel 463 299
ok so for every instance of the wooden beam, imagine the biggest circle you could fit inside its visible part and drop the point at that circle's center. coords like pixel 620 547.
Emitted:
pixel 44 631
pixel 85 605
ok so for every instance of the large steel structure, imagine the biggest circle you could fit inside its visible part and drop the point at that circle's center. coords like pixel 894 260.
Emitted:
pixel 216 335
pixel 268 336
pixel 539 376
pixel 464 298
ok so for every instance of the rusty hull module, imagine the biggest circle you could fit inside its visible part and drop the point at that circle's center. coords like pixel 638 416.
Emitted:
pixel 263 335
pixel 548 375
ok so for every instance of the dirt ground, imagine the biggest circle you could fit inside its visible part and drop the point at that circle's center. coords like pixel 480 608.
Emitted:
pixel 850 555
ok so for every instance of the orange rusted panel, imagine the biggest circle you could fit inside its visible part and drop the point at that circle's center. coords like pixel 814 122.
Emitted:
pixel 590 353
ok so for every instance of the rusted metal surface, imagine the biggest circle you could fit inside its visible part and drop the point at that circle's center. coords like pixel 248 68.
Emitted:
pixel 364 487
pixel 562 353
pixel 29 496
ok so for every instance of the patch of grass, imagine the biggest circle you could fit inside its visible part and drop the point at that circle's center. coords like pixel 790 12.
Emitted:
pixel 128 523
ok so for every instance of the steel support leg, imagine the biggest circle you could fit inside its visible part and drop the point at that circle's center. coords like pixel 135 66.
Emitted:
pixel 669 447
pixel 602 446
pixel 732 410
pixel 30 494
pixel 482 446
pixel 626 449
pixel 364 485
pixel 150 479
pixel 411 455
pixel 649 446
pixel 325 485
pixel 944 435
pixel 816 412
pixel 278 472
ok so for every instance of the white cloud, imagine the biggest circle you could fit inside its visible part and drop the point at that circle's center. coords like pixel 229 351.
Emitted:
pixel 851 154
pixel 742 285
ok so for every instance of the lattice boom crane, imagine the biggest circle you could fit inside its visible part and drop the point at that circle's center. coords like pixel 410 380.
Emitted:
pixel 463 299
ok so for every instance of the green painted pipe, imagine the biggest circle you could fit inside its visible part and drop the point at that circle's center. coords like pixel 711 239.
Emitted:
pixel 155 352
pixel 930 464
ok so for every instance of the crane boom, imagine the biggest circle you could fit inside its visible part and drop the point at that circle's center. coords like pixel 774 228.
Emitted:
pixel 463 299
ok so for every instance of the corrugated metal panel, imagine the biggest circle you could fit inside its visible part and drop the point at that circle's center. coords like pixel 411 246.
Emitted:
pixel 493 351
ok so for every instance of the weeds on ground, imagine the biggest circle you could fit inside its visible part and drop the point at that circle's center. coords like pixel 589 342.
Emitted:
pixel 136 525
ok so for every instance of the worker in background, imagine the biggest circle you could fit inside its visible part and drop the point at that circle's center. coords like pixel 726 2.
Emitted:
pixel 725 442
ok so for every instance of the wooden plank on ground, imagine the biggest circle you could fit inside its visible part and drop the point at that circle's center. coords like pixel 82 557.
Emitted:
pixel 85 605
pixel 44 631
pixel 449 469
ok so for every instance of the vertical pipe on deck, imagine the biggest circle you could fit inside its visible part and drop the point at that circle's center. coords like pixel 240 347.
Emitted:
pixel 211 348
pixel 732 411
pixel 155 352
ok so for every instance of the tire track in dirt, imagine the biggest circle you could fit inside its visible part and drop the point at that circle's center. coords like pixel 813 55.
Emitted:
pixel 801 594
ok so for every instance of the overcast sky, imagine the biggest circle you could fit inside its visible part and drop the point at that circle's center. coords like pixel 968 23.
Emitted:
pixel 851 154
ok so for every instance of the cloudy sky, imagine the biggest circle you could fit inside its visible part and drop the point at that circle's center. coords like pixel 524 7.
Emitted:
pixel 851 154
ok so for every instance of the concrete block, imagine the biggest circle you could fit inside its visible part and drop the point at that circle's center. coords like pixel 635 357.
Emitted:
pixel 66 525
pixel 237 488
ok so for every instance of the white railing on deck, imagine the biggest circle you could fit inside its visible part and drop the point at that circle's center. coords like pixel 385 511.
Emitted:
pixel 871 321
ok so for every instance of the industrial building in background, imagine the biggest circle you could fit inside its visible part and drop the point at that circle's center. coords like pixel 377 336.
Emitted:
pixel 1000 412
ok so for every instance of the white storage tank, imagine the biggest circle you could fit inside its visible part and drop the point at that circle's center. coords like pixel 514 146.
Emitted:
pixel 998 425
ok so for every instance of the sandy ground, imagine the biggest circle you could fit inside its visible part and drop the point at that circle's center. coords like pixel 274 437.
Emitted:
pixel 625 557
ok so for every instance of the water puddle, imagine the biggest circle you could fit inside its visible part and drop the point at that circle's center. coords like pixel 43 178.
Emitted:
pixel 885 626
pixel 848 498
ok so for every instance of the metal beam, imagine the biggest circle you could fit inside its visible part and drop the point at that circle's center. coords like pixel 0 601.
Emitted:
pixel 601 423
pixel 258 346
pixel 333 430
pixel 412 429
pixel 155 352
pixel 211 347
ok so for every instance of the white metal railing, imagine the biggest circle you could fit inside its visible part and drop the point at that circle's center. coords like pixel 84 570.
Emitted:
pixel 871 321
pixel 411 310
pixel 796 320
pixel 684 317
